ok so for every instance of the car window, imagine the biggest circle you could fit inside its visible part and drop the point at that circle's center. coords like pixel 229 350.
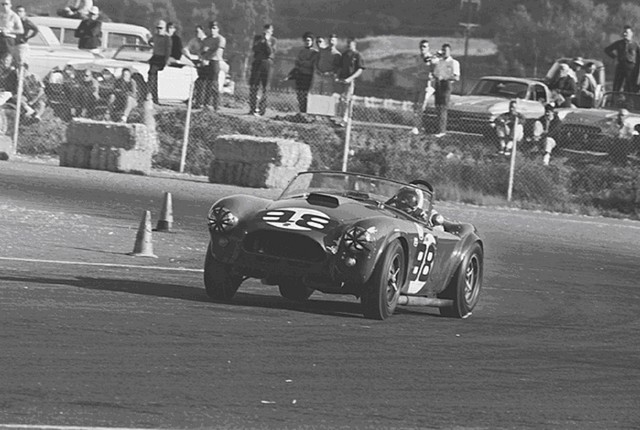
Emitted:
pixel 617 101
pixel 57 31
pixel 116 40
pixel 504 89
pixel 540 94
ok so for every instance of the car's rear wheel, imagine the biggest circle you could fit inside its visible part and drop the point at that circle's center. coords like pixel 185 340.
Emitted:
pixel 219 282
pixel 380 295
pixel 464 288
pixel 294 291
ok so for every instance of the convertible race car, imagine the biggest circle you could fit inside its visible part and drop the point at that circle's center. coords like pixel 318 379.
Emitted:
pixel 345 233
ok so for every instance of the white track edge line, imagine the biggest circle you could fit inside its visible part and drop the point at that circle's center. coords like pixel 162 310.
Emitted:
pixel 80 263
pixel 52 427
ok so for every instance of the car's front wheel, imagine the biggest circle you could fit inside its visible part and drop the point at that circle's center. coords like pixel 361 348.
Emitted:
pixel 464 288
pixel 380 296
pixel 219 282
pixel 293 291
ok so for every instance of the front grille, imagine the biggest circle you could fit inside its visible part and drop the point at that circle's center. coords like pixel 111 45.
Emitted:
pixel 289 246
pixel 580 137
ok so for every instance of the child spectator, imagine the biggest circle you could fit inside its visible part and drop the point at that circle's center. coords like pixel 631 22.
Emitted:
pixel 351 67
pixel 123 99
pixel 176 42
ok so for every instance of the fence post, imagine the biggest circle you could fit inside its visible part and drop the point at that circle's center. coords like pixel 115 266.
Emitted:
pixel 512 166
pixel 16 122
pixel 187 126
pixel 347 133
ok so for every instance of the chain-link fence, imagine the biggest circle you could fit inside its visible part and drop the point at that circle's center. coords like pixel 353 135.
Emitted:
pixel 579 160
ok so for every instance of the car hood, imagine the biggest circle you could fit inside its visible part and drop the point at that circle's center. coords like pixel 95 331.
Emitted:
pixel 111 64
pixel 589 116
pixel 63 52
pixel 494 106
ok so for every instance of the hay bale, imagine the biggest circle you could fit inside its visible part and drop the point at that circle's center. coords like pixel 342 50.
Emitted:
pixel 102 145
pixel 257 161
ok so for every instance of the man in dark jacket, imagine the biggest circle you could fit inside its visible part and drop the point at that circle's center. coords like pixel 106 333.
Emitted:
pixel 89 32
pixel 566 87
pixel 626 52
pixel 264 50
pixel 160 57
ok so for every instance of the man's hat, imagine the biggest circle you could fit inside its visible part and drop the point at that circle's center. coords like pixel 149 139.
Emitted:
pixel 94 11
pixel 161 24
pixel 578 61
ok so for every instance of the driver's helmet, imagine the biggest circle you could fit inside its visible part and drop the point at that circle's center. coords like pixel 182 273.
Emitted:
pixel 409 199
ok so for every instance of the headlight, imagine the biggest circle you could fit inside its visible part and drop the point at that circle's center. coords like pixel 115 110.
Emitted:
pixel 221 219
pixel 357 239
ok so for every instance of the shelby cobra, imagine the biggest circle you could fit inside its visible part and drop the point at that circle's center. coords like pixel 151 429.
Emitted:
pixel 345 233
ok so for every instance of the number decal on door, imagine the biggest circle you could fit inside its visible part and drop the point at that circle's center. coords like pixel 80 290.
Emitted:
pixel 423 264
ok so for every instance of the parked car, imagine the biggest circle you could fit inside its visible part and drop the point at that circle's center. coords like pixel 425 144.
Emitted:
pixel 46 53
pixel 173 82
pixel 114 34
pixel 490 97
pixel 346 233
pixel 594 133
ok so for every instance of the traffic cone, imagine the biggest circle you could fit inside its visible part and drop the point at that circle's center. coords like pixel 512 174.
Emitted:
pixel 144 245
pixel 165 222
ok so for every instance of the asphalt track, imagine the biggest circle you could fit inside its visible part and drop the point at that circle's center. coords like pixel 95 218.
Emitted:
pixel 91 337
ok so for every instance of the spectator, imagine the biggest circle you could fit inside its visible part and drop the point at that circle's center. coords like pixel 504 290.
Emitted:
pixel 509 128
pixel 351 67
pixel 626 53
pixel 588 87
pixel 76 9
pixel 8 76
pixel 565 87
pixel 544 130
pixel 303 70
pixel 10 27
pixel 89 32
pixel 21 51
pixel 33 100
pixel 327 65
pixel 424 87
pixel 212 50
pixel 88 94
pixel 192 51
pixel 123 99
pixel 446 72
pixel 176 42
pixel 161 54
pixel 620 132
pixel 264 50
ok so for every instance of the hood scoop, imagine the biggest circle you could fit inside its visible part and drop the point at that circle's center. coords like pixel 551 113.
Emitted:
pixel 323 200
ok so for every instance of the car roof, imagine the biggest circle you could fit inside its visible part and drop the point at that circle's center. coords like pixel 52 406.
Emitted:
pixel 73 23
pixel 511 79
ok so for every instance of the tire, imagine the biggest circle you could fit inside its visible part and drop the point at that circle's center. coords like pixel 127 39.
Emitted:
pixel 464 288
pixel 380 296
pixel 293 291
pixel 219 283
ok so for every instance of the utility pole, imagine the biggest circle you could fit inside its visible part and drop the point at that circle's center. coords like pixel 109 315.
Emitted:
pixel 469 19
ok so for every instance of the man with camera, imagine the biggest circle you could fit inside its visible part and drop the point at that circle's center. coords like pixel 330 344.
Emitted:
pixel 446 72
pixel 10 27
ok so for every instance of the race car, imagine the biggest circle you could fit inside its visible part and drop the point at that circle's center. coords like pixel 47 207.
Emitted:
pixel 346 233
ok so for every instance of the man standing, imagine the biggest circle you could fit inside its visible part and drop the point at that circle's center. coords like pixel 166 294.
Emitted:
pixel 21 51
pixel 264 50
pixel 351 67
pixel 446 72
pixel 626 52
pixel 211 54
pixel 89 32
pixel 10 27
pixel 161 54
pixel 193 51
pixel 327 65
pixel 176 42
pixel 303 70
pixel 424 86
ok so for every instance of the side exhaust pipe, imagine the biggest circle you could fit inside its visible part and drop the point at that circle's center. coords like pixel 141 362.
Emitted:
pixel 424 301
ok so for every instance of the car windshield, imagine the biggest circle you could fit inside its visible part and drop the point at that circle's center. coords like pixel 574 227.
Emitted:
pixel 353 185
pixel 615 101
pixel 499 88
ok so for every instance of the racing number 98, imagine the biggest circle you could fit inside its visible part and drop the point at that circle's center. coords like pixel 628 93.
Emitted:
pixel 425 255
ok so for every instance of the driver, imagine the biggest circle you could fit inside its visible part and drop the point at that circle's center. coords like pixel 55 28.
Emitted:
pixel 409 200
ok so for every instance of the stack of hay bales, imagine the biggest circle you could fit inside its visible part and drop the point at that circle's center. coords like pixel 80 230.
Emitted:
pixel 103 145
pixel 260 162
